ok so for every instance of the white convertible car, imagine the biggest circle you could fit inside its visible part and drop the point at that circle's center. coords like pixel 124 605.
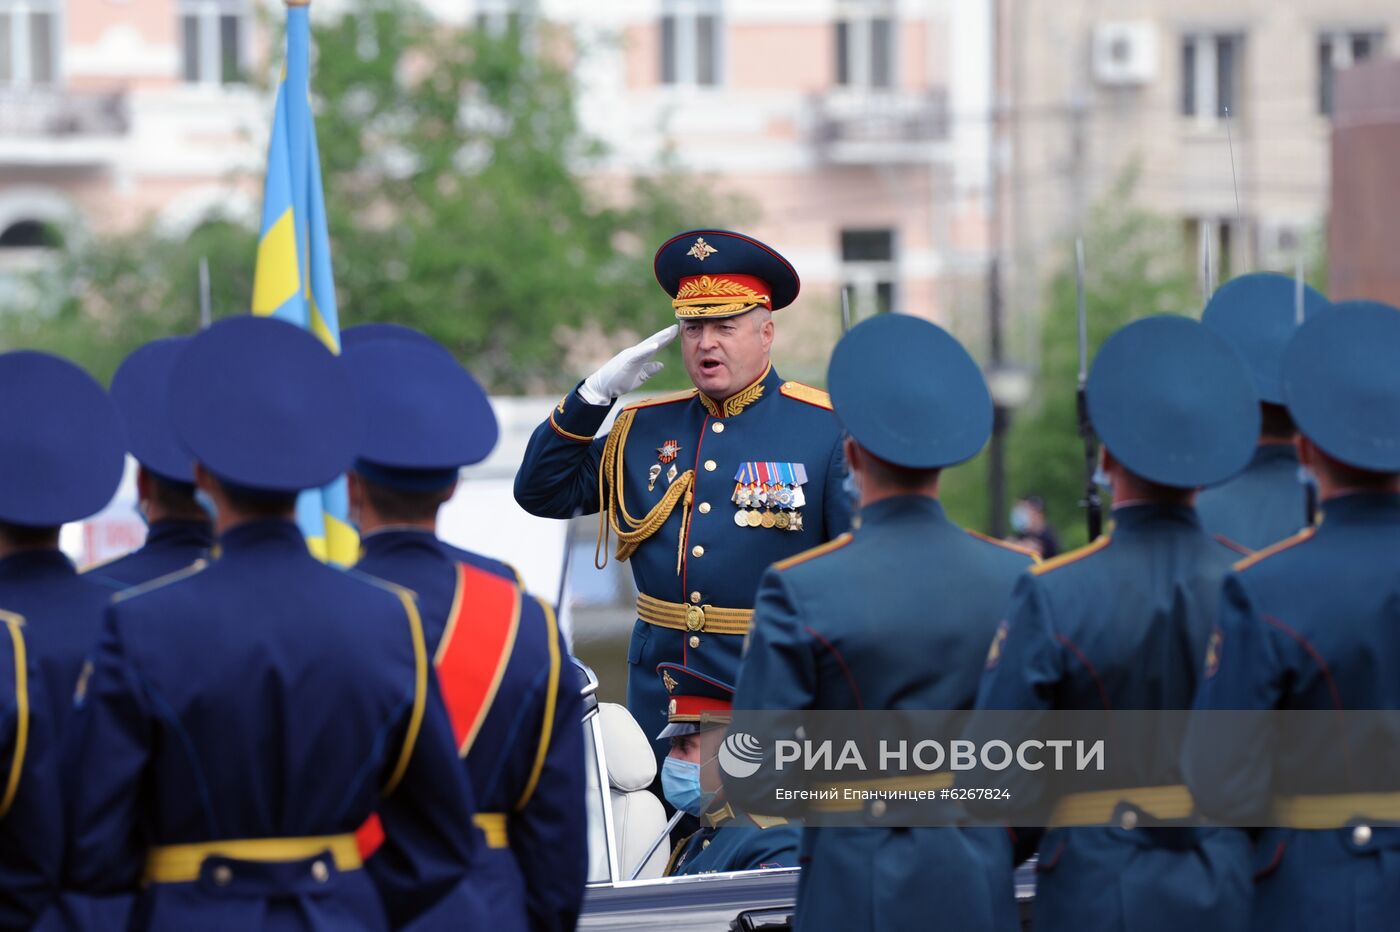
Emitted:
pixel 627 853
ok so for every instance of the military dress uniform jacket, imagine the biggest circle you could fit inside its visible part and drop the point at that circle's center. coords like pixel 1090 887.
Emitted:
pixel 1312 624
pixel 526 759
pixel 62 614
pixel 241 720
pixel 897 615
pixel 31 836
pixel 1262 505
pixel 696 569
pixel 730 841
pixel 1123 624
pixel 170 546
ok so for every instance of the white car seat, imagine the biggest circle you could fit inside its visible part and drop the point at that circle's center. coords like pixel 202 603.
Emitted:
pixel 638 816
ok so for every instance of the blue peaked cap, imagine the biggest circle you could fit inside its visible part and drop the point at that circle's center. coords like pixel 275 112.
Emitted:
pixel 62 452
pixel 1173 402
pixel 1257 314
pixel 908 392
pixel 1341 381
pixel 697 701
pixel 141 392
pixel 263 404
pixel 364 333
pixel 425 415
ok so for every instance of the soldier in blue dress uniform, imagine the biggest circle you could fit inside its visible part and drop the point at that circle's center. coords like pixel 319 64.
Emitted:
pixel 242 719
pixel 896 616
pixel 702 488
pixel 31 835
pixel 178 530
pixel 61 459
pixel 698 710
pixel 1257 314
pixel 1123 624
pixel 1312 623
pixel 502 663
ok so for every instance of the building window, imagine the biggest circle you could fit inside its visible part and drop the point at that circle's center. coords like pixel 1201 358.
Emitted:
pixel 500 18
pixel 28 43
pixel 30 234
pixel 869 271
pixel 865 46
pixel 213 41
pixel 692 40
pixel 1212 70
pixel 1338 50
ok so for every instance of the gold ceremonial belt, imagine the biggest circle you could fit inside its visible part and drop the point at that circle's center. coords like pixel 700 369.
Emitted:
pixel 493 824
pixel 854 801
pixel 682 617
pixel 181 863
pixel 1337 810
pixel 1167 803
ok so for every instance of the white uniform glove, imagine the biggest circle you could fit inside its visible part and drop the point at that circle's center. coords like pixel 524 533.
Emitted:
pixel 627 370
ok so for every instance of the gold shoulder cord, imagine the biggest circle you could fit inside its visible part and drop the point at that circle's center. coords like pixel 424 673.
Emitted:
pixel 612 508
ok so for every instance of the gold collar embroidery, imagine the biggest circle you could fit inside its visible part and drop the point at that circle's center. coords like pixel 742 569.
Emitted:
pixel 717 817
pixel 738 401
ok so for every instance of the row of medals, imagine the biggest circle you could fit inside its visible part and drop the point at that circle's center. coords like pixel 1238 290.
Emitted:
pixel 786 500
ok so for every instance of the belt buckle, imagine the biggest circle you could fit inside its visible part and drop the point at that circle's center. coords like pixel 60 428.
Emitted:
pixel 694 618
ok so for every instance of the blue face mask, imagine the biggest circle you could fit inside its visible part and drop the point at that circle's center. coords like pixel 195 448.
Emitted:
pixel 202 498
pixel 680 781
pixel 1020 520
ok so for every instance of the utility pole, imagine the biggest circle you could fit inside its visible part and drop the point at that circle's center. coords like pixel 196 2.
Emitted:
pixel 996 352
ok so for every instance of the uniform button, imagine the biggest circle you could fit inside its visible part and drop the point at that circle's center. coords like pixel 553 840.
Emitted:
pixel 711 466
pixel 717 427
pixel 695 597
pixel 706 843
pixel 704 508
pixel 697 551
pixel 223 875
pixel 1361 835
pixel 1129 819
pixel 877 808
pixel 695 640
pixel 319 872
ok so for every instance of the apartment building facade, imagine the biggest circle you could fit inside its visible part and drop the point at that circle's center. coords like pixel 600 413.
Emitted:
pixel 117 114
pixel 1223 110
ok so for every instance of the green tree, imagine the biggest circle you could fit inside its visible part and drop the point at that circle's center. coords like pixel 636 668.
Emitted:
pixel 1135 266
pixel 106 296
pixel 459 202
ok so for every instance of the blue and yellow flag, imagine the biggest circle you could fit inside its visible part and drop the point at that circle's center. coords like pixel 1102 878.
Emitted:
pixel 293 278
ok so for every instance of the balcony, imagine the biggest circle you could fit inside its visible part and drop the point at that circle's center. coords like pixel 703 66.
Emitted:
pixel 55 127
pixel 880 127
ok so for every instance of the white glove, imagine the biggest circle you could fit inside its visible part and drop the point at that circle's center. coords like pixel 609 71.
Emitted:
pixel 627 370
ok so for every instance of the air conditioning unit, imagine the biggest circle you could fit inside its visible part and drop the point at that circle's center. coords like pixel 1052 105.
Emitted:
pixel 1125 53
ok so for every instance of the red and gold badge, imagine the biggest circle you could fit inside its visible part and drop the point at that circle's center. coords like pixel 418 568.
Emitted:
pixel 669 450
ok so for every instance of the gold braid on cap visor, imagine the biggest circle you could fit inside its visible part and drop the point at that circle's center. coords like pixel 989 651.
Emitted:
pixel 717 296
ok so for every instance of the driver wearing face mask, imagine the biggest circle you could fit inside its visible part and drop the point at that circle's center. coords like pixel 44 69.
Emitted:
pixel 697 713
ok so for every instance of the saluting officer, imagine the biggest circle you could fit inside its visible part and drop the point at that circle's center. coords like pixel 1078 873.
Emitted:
pixel 179 531
pixel 1313 623
pixel 501 662
pixel 1257 314
pixel 706 487
pixel 31 819
pixel 61 459
pixel 1123 624
pixel 896 616
pixel 243 718
pixel 699 709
